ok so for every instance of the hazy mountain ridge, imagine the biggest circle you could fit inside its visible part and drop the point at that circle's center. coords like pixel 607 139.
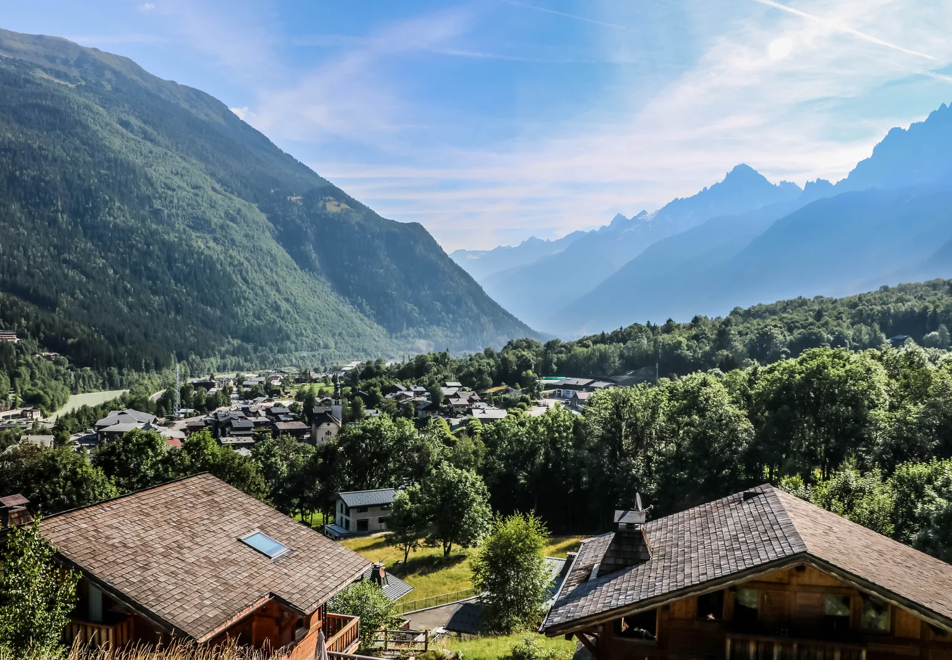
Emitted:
pixel 146 217
pixel 484 263
pixel 534 291
pixel 889 221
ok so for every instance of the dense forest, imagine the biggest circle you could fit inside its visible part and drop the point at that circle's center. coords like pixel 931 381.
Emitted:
pixel 46 380
pixel 143 220
pixel 761 335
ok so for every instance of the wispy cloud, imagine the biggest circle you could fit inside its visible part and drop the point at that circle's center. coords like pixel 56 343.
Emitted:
pixel 146 7
pixel 562 13
pixel 836 26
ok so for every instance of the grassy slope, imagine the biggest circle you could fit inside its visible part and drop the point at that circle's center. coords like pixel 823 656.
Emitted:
pixel 492 648
pixel 431 575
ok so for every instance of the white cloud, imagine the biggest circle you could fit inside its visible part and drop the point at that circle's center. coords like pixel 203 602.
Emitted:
pixel 146 6
pixel 241 112
pixel 771 85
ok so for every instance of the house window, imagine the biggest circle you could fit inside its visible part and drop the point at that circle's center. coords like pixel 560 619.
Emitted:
pixel 637 626
pixel 362 525
pixel 362 509
pixel 264 544
pixel 382 522
pixel 746 604
pixel 347 524
pixel 875 615
pixel 711 606
pixel 836 614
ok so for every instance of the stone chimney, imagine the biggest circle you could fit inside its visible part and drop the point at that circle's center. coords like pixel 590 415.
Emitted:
pixel 378 574
pixel 14 511
pixel 629 546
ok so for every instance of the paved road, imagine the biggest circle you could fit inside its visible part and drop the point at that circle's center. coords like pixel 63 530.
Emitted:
pixel 461 617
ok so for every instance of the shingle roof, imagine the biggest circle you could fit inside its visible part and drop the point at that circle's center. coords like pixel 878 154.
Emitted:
pixel 173 551
pixel 368 497
pixel 753 531
pixel 395 587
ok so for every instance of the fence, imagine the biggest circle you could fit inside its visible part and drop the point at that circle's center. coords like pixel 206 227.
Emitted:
pixel 433 601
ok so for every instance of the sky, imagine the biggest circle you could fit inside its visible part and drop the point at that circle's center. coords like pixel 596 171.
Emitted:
pixel 489 121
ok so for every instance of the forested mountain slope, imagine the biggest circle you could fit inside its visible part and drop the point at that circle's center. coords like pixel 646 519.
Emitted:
pixel 139 217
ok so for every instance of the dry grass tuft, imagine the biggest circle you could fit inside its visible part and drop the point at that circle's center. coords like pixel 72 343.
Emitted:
pixel 177 651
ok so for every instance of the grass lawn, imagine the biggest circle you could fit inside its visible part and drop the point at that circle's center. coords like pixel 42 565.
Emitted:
pixel 428 572
pixel 492 648
pixel 91 399
pixel 316 522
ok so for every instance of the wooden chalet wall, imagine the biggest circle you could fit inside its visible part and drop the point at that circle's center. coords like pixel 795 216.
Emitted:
pixel 790 625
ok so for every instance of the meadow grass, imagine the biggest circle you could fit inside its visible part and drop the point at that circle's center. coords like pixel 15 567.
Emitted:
pixel 494 648
pixel 428 572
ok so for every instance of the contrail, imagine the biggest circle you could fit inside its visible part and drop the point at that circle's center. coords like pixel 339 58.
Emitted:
pixel 842 28
pixel 560 13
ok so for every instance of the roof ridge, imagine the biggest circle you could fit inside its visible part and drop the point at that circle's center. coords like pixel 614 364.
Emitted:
pixel 366 490
pixel 786 521
pixel 127 495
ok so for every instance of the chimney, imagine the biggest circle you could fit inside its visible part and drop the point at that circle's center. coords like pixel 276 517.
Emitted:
pixel 14 511
pixel 629 546
pixel 378 574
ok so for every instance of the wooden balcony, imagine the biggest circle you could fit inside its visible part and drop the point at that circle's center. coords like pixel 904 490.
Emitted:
pixel 112 635
pixel 767 647
pixel 342 633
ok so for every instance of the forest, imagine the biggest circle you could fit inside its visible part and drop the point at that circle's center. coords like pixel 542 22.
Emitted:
pixel 762 334
pixel 144 223
pixel 867 434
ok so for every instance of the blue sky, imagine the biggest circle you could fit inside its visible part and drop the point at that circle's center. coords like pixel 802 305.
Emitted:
pixel 491 120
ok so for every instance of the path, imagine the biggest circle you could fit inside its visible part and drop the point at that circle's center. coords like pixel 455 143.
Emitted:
pixel 461 617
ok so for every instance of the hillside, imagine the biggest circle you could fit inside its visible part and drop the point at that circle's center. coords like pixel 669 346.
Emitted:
pixel 887 222
pixel 142 217
pixel 535 291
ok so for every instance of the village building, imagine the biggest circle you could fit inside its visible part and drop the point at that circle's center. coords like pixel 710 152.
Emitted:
pixel 361 512
pixel 8 336
pixel 488 414
pixel 44 441
pixel 577 402
pixel 567 387
pixel 294 429
pixel 14 510
pixel 759 575
pixel 118 422
pixel 324 425
pixel 201 561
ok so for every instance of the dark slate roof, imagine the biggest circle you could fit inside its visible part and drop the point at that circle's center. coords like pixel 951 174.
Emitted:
pixel 125 417
pixel 757 530
pixel 368 497
pixel 325 417
pixel 173 552
pixel 395 587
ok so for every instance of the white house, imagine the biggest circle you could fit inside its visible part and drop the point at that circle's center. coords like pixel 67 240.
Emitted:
pixel 361 512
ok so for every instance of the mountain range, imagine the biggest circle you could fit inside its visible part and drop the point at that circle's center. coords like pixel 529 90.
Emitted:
pixel 888 221
pixel 139 217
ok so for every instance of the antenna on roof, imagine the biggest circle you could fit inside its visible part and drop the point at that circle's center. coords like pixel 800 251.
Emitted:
pixel 178 389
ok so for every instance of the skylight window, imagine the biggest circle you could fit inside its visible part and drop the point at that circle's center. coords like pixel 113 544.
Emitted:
pixel 265 544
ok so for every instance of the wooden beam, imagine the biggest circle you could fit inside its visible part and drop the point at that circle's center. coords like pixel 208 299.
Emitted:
pixel 587 643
